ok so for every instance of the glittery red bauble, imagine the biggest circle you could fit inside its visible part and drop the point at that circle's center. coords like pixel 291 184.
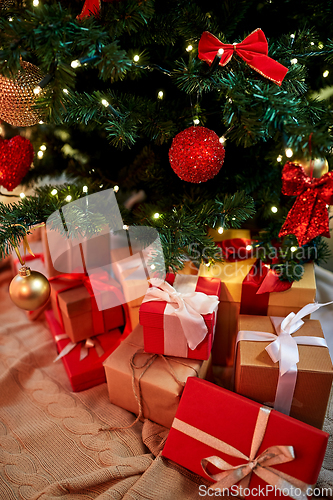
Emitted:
pixel 16 156
pixel 196 154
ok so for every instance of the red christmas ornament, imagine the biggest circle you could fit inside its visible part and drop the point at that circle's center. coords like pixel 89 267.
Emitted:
pixel 16 156
pixel 308 216
pixel 90 7
pixel 196 154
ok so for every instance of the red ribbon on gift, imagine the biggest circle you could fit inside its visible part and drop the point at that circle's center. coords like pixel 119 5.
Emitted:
pixel 100 282
pixel 253 50
pixel 308 216
pixel 256 287
pixel 235 249
pixel 28 258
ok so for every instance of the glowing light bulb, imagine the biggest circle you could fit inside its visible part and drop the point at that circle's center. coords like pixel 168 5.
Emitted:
pixel 248 247
pixel 10 19
pixel 189 48
pixel 293 249
pixel 116 189
pixel 65 91
pixel 136 58
pixel 152 266
pixel 40 154
pixel 75 64
pixel 40 122
pixel 105 103
pixel 220 230
pixel 320 45
pixel 220 52
pixel 156 215
pixel 85 189
pixel 326 73
pixel 311 43
pixel 125 227
pixel 100 187
pixel 196 121
pixel 54 192
pixel 289 152
pixel 274 210
pixel 294 61
pixel 43 147
pixel 160 94
pixel 222 139
pixel 292 35
pixel 35 3
pixel 22 195
pixel 279 158
pixel 37 90
pixel 68 198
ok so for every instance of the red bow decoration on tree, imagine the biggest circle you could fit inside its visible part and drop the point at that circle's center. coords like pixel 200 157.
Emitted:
pixel 308 216
pixel 253 50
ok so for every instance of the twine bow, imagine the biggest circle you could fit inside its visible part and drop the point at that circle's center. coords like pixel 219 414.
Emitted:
pixel 253 50
pixel 84 351
pixel 284 349
pixel 188 307
pixel 308 216
pixel 261 464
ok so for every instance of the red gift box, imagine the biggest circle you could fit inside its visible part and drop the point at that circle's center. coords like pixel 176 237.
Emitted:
pixel 89 371
pixel 209 417
pixel 168 338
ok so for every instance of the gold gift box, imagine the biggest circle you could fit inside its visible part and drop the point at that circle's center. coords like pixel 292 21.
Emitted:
pixel 256 375
pixel 232 275
pixel 160 390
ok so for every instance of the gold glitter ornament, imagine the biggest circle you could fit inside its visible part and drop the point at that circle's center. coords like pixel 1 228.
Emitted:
pixel 318 166
pixel 6 4
pixel 17 96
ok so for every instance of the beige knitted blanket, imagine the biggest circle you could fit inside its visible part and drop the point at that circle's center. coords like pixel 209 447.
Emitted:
pixel 50 444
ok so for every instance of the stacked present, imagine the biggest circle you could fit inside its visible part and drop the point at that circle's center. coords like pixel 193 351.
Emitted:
pixel 257 435
pixel 147 373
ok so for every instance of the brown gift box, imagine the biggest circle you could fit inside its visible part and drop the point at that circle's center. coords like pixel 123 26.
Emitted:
pixel 232 275
pixel 159 389
pixel 256 375
pixel 76 311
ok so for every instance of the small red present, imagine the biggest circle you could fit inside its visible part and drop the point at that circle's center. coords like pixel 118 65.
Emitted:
pixel 89 371
pixel 245 448
pixel 178 316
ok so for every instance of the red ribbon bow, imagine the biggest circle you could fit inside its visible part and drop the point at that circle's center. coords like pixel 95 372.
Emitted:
pixel 253 50
pixel 308 216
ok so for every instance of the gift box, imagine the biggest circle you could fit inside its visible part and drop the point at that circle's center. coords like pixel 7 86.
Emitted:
pixel 158 380
pixel 257 375
pixel 232 275
pixel 184 325
pixel 87 372
pixel 251 446
pixel 76 310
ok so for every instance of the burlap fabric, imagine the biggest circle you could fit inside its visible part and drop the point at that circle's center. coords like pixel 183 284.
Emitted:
pixel 51 446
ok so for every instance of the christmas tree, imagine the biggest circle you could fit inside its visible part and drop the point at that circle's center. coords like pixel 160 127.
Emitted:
pixel 123 95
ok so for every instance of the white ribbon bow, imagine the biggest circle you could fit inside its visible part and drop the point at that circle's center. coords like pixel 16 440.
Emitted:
pixel 188 307
pixel 84 351
pixel 283 349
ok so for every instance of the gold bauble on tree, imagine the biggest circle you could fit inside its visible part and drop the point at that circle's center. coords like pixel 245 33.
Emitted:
pixel 29 290
pixel 318 166
pixel 17 96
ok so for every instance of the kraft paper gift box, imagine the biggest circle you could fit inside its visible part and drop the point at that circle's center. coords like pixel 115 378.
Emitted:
pixel 282 303
pixel 87 372
pixel 257 376
pixel 216 426
pixel 164 330
pixel 162 379
pixel 75 310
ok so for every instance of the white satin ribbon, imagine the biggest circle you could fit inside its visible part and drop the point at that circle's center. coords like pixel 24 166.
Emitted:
pixel 84 351
pixel 186 306
pixel 283 349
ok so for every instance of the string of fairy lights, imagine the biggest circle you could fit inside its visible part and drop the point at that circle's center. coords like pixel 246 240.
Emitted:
pixel 77 63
